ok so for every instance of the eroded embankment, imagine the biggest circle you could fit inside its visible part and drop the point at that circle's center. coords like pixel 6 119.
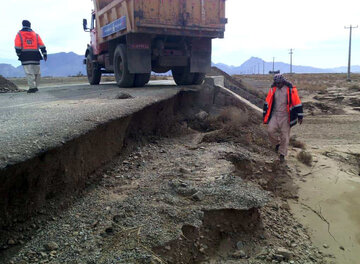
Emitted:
pixel 195 191
pixel 28 186
pixel 50 182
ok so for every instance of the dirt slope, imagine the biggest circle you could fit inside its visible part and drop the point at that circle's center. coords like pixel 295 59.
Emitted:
pixel 7 86
pixel 211 191
pixel 239 87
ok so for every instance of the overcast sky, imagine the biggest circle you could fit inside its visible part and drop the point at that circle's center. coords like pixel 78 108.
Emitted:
pixel 263 28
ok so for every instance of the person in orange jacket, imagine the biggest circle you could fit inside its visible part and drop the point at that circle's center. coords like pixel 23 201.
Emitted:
pixel 27 45
pixel 282 110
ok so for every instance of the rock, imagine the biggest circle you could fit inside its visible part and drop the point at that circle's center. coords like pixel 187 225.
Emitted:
pixel 239 245
pixel 198 196
pixel 284 252
pixel 184 171
pixel 202 115
pixel 109 230
pixel 203 248
pixel 124 96
pixel 11 242
pixel 239 254
pixel 168 248
pixel 51 246
pixel 278 257
pixel 183 184
pixel 342 248
pixel 285 206
pixel 326 246
pixel 263 253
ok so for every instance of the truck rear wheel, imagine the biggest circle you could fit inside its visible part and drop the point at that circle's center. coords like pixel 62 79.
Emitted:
pixel 141 79
pixel 93 71
pixel 182 75
pixel 122 75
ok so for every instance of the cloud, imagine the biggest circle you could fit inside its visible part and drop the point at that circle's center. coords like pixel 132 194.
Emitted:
pixel 268 27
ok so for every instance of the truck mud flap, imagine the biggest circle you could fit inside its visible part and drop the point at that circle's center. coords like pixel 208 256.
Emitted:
pixel 139 53
pixel 200 60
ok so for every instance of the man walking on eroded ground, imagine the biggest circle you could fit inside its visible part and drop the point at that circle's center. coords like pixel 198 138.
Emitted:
pixel 27 45
pixel 282 110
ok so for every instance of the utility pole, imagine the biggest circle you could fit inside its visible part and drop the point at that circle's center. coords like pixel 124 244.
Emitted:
pixel 349 63
pixel 273 64
pixel 258 68
pixel 291 53
pixel 263 67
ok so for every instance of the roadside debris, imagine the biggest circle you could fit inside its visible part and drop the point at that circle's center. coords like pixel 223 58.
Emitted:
pixel 123 95
pixel 7 86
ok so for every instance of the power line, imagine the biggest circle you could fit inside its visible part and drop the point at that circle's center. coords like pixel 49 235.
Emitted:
pixel 349 63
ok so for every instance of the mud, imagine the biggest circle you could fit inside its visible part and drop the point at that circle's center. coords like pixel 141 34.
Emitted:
pixel 329 188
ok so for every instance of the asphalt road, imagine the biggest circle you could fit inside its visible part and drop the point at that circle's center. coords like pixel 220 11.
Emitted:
pixel 33 123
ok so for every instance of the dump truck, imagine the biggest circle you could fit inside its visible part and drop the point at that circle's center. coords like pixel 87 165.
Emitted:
pixel 132 38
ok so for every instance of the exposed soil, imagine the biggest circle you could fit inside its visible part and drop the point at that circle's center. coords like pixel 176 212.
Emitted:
pixel 208 188
pixel 7 86
pixel 208 191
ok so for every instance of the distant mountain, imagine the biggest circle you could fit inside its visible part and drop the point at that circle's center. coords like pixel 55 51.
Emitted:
pixel 67 64
pixel 63 64
pixel 7 70
pixel 58 64
pixel 256 65
pixel 343 69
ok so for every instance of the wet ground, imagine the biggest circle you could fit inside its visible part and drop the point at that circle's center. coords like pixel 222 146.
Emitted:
pixel 329 193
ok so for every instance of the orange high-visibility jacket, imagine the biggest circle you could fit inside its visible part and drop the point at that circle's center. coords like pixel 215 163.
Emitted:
pixel 27 45
pixel 294 105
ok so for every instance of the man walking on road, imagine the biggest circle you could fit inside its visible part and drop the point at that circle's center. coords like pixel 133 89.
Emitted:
pixel 282 110
pixel 27 45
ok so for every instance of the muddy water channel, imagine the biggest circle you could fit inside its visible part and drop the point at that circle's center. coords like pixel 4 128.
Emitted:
pixel 329 191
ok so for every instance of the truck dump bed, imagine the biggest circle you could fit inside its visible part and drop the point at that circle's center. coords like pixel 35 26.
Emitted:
pixel 203 18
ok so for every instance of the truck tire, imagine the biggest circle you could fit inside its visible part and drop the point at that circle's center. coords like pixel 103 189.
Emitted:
pixel 182 75
pixel 122 75
pixel 93 71
pixel 141 79
pixel 198 78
